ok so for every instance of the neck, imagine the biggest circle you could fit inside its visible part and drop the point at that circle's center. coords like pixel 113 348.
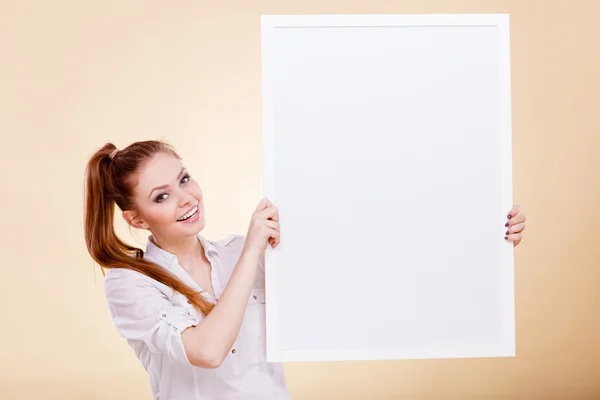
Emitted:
pixel 185 249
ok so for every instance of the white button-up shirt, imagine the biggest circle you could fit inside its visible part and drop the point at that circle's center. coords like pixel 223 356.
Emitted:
pixel 151 316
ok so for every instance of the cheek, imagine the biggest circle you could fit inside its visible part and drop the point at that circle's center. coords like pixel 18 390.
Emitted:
pixel 161 214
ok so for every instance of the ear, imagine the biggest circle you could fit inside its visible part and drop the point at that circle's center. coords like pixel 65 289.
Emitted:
pixel 133 220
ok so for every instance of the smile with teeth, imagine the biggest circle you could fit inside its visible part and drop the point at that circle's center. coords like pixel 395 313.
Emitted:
pixel 189 214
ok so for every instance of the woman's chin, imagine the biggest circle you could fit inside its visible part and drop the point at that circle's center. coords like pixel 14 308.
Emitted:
pixel 192 227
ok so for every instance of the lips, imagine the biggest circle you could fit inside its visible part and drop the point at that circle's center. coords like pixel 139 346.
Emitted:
pixel 189 214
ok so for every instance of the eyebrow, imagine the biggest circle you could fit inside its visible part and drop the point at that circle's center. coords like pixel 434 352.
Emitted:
pixel 181 173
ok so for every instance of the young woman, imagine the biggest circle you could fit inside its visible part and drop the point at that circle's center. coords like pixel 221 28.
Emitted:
pixel 192 309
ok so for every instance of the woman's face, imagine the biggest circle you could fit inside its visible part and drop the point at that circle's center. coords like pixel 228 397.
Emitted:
pixel 168 201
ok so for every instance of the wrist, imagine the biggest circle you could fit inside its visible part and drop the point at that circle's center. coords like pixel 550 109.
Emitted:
pixel 252 256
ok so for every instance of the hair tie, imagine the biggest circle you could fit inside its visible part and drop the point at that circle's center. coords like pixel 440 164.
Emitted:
pixel 113 154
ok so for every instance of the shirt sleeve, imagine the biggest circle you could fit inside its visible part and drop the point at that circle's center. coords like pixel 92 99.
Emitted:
pixel 140 311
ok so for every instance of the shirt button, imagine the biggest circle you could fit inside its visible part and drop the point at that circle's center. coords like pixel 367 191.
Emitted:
pixel 164 315
pixel 254 297
pixel 233 351
pixel 189 302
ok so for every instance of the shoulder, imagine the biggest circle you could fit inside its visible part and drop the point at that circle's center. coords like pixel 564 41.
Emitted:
pixel 229 249
pixel 126 283
pixel 232 241
pixel 122 274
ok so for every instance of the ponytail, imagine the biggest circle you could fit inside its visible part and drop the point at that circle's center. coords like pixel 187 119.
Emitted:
pixel 106 185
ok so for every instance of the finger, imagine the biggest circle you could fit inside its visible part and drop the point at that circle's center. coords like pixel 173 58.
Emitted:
pixel 270 212
pixel 517 219
pixel 514 211
pixel 264 203
pixel 273 213
pixel 260 206
pixel 274 232
pixel 272 225
pixel 517 228
pixel 274 236
pixel 513 237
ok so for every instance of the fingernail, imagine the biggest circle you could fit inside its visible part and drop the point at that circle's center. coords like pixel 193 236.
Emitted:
pixel 506 224
pixel 509 216
pixel 505 237
pixel 507 232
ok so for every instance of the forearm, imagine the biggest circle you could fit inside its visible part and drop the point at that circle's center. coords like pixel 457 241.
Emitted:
pixel 210 341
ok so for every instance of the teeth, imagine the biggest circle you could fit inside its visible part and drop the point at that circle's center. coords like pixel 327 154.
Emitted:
pixel 189 214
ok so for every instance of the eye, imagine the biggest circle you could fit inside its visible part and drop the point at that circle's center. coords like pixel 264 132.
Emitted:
pixel 186 178
pixel 161 197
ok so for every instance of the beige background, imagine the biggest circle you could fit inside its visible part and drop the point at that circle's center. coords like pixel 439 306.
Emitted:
pixel 74 74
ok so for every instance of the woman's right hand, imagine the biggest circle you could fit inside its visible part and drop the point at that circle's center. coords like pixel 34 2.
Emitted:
pixel 263 229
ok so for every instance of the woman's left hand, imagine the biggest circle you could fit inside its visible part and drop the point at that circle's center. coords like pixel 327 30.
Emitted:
pixel 515 225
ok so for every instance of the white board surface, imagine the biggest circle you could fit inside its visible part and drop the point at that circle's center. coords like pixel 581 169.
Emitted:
pixel 387 149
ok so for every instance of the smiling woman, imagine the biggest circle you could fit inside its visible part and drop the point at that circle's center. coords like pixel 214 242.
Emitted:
pixel 190 308
pixel 193 310
pixel 167 199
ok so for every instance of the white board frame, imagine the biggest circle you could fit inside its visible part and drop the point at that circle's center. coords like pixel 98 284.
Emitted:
pixel 269 23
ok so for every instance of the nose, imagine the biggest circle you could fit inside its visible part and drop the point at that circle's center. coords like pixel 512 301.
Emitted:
pixel 187 199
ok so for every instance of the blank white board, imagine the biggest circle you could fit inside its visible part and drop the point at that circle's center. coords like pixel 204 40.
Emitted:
pixel 387 149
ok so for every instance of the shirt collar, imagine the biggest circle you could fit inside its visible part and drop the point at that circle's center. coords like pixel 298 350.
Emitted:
pixel 169 259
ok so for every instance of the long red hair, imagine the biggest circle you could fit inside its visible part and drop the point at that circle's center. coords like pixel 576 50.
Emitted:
pixel 110 177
